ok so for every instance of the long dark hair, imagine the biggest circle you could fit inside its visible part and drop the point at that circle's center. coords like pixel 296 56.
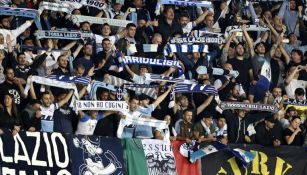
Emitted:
pixel 14 112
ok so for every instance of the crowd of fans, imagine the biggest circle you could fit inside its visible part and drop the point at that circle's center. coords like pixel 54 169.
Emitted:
pixel 195 116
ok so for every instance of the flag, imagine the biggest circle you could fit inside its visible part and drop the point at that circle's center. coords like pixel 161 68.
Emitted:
pixel 244 157
pixel 96 155
pixel 206 151
pixel 184 167
pixel 149 156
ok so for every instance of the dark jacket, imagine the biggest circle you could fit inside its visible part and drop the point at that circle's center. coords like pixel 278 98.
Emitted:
pixel 237 129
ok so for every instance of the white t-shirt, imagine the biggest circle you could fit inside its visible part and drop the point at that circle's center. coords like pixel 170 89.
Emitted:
pixel 87 125
pixel 47 120
pixel 294 84
pixel 188 28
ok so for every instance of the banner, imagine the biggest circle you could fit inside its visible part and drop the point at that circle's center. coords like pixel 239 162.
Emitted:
pixel 282 160
pixel 24 12
pixel 101 105
pixel 98 20
pixel 248 106
pixel 159 156
pixel 96 155
pixel 34 153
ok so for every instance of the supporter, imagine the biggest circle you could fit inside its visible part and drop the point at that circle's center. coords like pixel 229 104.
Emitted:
pixel 265 134
pixel 204 131
pixel 9 114
pixel 28 115
pixel 46 121
pixel 88 122
pixel 185 127
pixel 188 25
pixel 86 61
pixel 221 127
pixel 292 82
pixel 22 69
pixel 167 25
pixel 293 134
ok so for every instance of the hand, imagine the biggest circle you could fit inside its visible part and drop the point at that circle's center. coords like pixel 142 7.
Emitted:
pixel 254 82
pixel 189 141
pixel 155 23
pixel 91 72
pixel 49 71
pixel 276 142
pixel 8 40
pixel 1 132
pixel 38 114
pixel 49 45
pixel 247 139
pixel 243 27
pixel 300 9
pixel 31 129
pixel 298 129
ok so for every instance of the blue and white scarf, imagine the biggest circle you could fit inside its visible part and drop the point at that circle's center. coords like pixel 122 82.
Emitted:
pixel 144 48
pixel 185 48
pixel 194 88
pixel 71 79
pixel 248 106
pixel 197 40
pixel 98 84
pixel 29 13
pixel 63 7
pixel 151 92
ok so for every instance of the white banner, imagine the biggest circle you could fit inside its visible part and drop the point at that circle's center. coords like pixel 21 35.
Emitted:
pixel 101 105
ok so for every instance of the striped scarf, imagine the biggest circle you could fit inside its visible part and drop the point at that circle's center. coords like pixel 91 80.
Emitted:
pixel 195 88
pixel 29 13
pixel 185 48
pixel 129 120
pixel 197 40
pixel 97 20
pixel 168 49
pixel 63 7
pixel 53 83
pixel 71 79
pixel 63 34
pixel 119 82
pixel 98 84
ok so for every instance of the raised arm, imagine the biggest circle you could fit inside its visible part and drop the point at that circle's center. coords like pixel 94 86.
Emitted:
pixel 201 17
pixel 66 98
pixel 161 97
pixel 249 41
pixel 204 104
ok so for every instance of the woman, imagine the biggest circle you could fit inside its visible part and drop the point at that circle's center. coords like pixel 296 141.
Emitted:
pixel 9 118
pixel 293 134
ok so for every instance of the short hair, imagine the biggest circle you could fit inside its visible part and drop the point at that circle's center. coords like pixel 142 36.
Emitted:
pixel 187 110
pixel 44 93
pixel 299 91
pixel 133 98
pixel 299 52
pixel 105 24
pixel 105 39
pixel 80 66
pixel 21 53
pixel 130 25
pixel 184 15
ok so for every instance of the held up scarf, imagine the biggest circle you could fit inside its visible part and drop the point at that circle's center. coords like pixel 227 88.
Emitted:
pixel 101 105
pixel 63 34
pixel 97 20
pixel 98 84
pixel 71 79
pixel 63 7
pixel 249 106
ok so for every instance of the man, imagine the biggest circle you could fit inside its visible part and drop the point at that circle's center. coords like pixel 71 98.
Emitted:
pixel 203 131
pixel 185 127
pixel 167 26
pixel 292 82
pixel 22 69
pixel 86 60
pixel 62 69
pixel 203 101
pixel 13 86
pixel 5 29
pixel 265 134
pixel 240 125
pixel 46 122
pixel 188 25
